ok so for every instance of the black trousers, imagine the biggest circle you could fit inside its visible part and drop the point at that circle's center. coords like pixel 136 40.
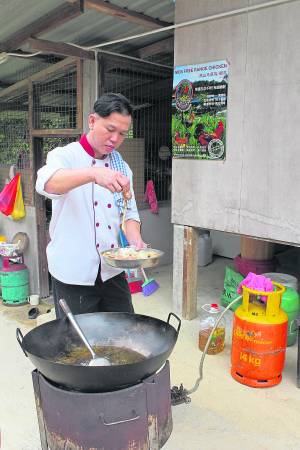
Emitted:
pixel 112 295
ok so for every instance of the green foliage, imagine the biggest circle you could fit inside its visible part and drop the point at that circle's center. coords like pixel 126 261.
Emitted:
pixel 13 137
pixel 177 125
pixel 14 133
pixel 209 121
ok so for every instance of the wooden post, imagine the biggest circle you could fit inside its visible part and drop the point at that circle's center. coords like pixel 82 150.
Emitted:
pixel 185 270
pixel 79 94
pixel 88 91
pixel 256 249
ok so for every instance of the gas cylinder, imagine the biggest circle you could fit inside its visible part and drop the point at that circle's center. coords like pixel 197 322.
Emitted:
pixel 259 338
pixel 14 279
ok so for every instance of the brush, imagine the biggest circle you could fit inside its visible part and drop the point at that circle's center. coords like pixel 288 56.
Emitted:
pixel 124 243
pixel 136 285
pixel 122 238
pixel 150 285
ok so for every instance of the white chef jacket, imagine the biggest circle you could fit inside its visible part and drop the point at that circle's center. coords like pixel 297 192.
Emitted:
pixel 85 221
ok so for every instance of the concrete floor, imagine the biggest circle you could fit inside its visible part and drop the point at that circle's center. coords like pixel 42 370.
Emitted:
pixel 223 414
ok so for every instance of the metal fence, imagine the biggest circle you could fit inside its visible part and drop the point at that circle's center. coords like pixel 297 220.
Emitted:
pixel 14 142
pixel 46 145
pixel 148 149
pixel 54 100
pixel 44 102
pixel 55 105
pixel 45 111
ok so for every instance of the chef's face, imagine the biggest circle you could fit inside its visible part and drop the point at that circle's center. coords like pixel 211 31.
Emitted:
pixel 107 133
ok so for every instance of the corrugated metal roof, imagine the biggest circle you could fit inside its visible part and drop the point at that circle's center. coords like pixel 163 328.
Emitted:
pixel 16 14
pixel 90 28
pixel 94 27
pixel 16 69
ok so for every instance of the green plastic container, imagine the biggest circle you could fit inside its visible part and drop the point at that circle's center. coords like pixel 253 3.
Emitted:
pixel 228 297
pixel 15 286
pixel 290 304
pixel 231 281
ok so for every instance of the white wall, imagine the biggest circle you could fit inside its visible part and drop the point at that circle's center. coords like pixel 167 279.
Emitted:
pixel 255 191
pixel 157 230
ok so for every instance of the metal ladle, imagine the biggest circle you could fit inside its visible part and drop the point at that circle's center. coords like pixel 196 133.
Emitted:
pixel 126 197
pixel 96 360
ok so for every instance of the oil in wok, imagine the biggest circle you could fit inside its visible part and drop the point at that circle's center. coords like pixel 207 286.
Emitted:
pixel 116 355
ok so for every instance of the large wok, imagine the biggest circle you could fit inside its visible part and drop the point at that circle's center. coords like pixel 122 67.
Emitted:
pixel 151 337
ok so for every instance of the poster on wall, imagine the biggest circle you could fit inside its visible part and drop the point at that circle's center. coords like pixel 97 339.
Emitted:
pixel 199 111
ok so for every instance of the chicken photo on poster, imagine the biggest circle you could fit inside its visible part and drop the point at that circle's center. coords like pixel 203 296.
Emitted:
pixel 199 111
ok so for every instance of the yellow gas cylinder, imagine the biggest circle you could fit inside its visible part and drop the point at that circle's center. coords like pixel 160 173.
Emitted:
pixel 259 338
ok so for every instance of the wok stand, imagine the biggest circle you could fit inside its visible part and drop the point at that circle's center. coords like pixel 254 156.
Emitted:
pixel 138 417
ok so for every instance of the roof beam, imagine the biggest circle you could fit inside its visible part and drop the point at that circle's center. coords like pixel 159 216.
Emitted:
pixel 163 46
pixel 124 14
pixel 59 48
pixel 19 86
pixel 42 58
pixel 52 19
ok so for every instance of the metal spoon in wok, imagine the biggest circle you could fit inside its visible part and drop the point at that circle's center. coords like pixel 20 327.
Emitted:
pixel 96 360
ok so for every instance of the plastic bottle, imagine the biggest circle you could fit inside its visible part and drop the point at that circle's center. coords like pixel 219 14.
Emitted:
pixel 2 239
pixel 205 251
pixel 209 315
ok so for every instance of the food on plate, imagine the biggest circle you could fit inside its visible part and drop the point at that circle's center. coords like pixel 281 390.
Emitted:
pixel 129 253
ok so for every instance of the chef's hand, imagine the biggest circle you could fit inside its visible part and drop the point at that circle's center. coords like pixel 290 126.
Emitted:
pixel 138 244
pixel 133 234
pixel 111 179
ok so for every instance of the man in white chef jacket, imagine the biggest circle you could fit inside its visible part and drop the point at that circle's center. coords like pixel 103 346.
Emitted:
pixel 85 181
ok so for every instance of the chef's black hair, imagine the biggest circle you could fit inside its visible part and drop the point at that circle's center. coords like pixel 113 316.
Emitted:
pixel 110 103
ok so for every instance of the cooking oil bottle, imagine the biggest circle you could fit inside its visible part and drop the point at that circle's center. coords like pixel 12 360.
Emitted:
pixel 208 317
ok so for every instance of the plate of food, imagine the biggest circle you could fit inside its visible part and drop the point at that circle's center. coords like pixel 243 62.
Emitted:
pixel 131 258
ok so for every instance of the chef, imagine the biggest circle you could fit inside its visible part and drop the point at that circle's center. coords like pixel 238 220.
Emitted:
pixel 87 181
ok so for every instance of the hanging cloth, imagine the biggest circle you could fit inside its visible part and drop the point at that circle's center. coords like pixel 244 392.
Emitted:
pixel 117 163
pixel 150 197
